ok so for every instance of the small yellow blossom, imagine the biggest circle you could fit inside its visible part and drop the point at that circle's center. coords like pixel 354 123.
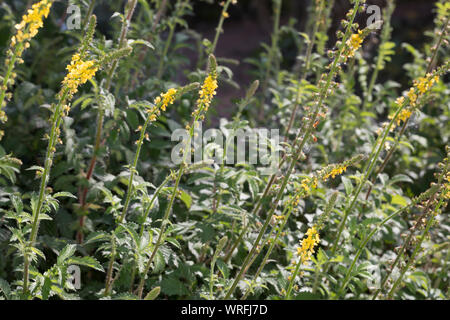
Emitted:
pixel 412 97
pixel 308 183
pixel 446 192
pixel 207 91
pixel 225 14
pixel 354 43
pixel 307 245
pixel 161 103
pixel 403 116
pixel 399 102
pixel 424 84
pixel 420 87
pixel 30 24
pixel 79 73
pixel 335 172
pixel 167 99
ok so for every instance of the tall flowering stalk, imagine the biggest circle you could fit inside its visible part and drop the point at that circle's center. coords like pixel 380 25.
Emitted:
pixel 160 104
pixel 341 56
pixel 206 95
pixel 80 70
pixel 320 11
pixel 271 59
pixel 438 198
pixel 219 29
pixel 129 11
pixel 305 252
pixel 303 190
pixel 27 29
pixel 426 195
pixel 404 105
pixel 423 84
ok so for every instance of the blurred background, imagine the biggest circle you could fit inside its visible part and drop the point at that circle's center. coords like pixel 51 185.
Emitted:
pixel 250 25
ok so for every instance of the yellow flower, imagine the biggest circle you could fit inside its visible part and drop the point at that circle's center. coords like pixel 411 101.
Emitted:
pixel 335 172
pixel 307 245
pixel 403 116
pixel 354 43
pixel 208 91
pixel 412 97
pixel 167 99
pixel 31 22
pixel 225 14
pixel 79 73
pixel 399 102
pixel 424 84
pixel 446 192
pixel 161 103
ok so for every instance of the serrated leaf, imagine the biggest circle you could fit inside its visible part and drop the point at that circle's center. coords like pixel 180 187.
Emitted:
pixel 5 288
pixel 87 262
pixel 223 268
pixel 153 294
pixel 66 253
pixel 64 194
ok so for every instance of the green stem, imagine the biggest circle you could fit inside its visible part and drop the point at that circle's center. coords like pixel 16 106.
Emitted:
pixel 166 50
pixel 407 240
pixel 416 250
pixel 385 36
pixel 293 277
pixel 162 230
pixel 4 87
pixel 273 49
pixel 372 160
pixel 219 29
pixel 364 244
pixel 89 14
pixel 56 121
pixel 150 205
pixel 295 159
pixel 133 170
pixel 269 250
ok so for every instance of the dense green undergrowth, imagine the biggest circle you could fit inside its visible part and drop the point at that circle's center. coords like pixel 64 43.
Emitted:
pixel 93 205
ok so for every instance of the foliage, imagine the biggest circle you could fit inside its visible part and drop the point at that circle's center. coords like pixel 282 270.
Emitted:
pixel 357 207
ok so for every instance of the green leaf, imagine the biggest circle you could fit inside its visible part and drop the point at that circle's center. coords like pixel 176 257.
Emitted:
pixel 222 266
pixel 64 194
pixel 46 288
pixel 397 199
pixel 140 41
pixel 186 198
pixel 5 288
pixel 347 185
pixel 172 286
pixel 87 262
pixel 66 253
pixel 153 294
pixel 38 252
pixel 133 119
